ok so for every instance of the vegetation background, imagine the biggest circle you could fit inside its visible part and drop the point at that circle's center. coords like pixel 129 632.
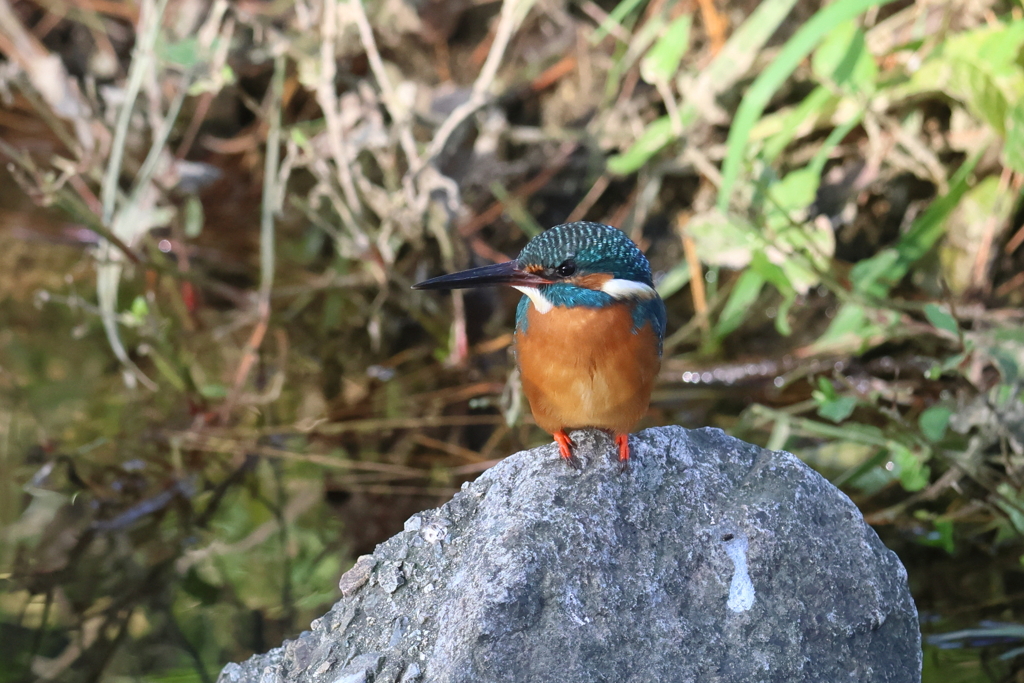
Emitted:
pixel 217 389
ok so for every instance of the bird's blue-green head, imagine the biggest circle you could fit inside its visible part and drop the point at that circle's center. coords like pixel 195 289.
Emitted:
pixel 575 256
pixel 587 256
pixel 577 264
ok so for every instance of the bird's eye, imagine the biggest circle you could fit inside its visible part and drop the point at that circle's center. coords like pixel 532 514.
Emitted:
pixel 566 269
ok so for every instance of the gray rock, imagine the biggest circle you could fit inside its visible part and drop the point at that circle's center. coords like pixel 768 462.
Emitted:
pixel 356 577
pixel 711 560
pixel 391 577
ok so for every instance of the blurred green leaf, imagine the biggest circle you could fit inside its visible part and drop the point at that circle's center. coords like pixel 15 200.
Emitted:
pixel 843 59
pixel 782 325
pixel 780 128
pixel 194 218
pixel 731 64
pixel 662 61
pixel 655 137
pixel 1007 362
pixel 197 587
pixel 213 391
pixel 878 274
pixel 139 309
pixel 913 474
pixel 826 389
pixel 615 18
pixel 723 240
pixel 981 68
pixel 941 318
pixel 941 536
pixel 981 207
pixel 1009 501
pixel 934 421
pixel 674 280
pixel 837 409
pixel 184 53
pixel 166 369
pixel 831 405
pixel 299 137
pixel 772 273
pixel 795 191
pixel 743 295
pixel 1013 149
pixel 855 328
pixel 771 79
pixel 979 92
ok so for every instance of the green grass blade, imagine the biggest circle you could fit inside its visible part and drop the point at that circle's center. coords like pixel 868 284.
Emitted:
pixel 875 276
pixel 772 78
pixel 621 11
pixel 729 66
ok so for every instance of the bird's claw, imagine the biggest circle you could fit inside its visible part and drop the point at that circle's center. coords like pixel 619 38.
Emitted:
pixel 565 445
pixel 622 441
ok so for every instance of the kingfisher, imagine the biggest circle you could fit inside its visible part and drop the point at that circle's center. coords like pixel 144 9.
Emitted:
pixel 589 329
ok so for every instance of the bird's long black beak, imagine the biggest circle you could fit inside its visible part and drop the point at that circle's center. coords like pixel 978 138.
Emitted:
pixel 508 273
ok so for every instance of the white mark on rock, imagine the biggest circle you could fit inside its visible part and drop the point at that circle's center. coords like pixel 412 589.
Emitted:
pixel 575 609
pixel 436 531
pixel 741 589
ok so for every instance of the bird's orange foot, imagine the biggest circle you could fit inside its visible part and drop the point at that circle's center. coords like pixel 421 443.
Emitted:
pixel 565 449
pixel 622 441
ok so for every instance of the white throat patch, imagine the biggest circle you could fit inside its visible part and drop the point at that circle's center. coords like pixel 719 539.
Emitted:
pixel 540 302
pixel 628 289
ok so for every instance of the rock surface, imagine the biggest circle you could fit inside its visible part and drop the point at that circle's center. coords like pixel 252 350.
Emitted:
pixel 711 560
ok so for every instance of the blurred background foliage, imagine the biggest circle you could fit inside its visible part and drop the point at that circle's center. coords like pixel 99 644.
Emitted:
pixel 217 390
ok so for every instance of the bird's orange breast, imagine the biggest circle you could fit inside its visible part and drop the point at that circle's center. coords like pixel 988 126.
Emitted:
pixel 586 367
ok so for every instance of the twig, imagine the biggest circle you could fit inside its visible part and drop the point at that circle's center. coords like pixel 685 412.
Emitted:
pixel 494 211
pixel 156 148
pixel 108 272
pixel 213 444
pixel 389 490
pixel 473 468
pixel 588 201
pixel 700 302
pixel 327 98
pixel 928 162
pixel 46 73
pixel 1015 241
pixel 460 336
pixel 1013 283
pixel 714 25
pixel 1018 237
pixel 373 424
pixel 215 32
pixel 601 18
pixel 449 448
pixel 399 113
pixel 85 206
pixel 512 12
pixel 554 73
pixel 142 56
pixel 45 112
pixel 270 202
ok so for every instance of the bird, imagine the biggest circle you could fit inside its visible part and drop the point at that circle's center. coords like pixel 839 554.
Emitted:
pixel 589 329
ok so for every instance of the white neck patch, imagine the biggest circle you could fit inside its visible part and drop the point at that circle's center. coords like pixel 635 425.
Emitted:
pixel 628 289
pixel 540 302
